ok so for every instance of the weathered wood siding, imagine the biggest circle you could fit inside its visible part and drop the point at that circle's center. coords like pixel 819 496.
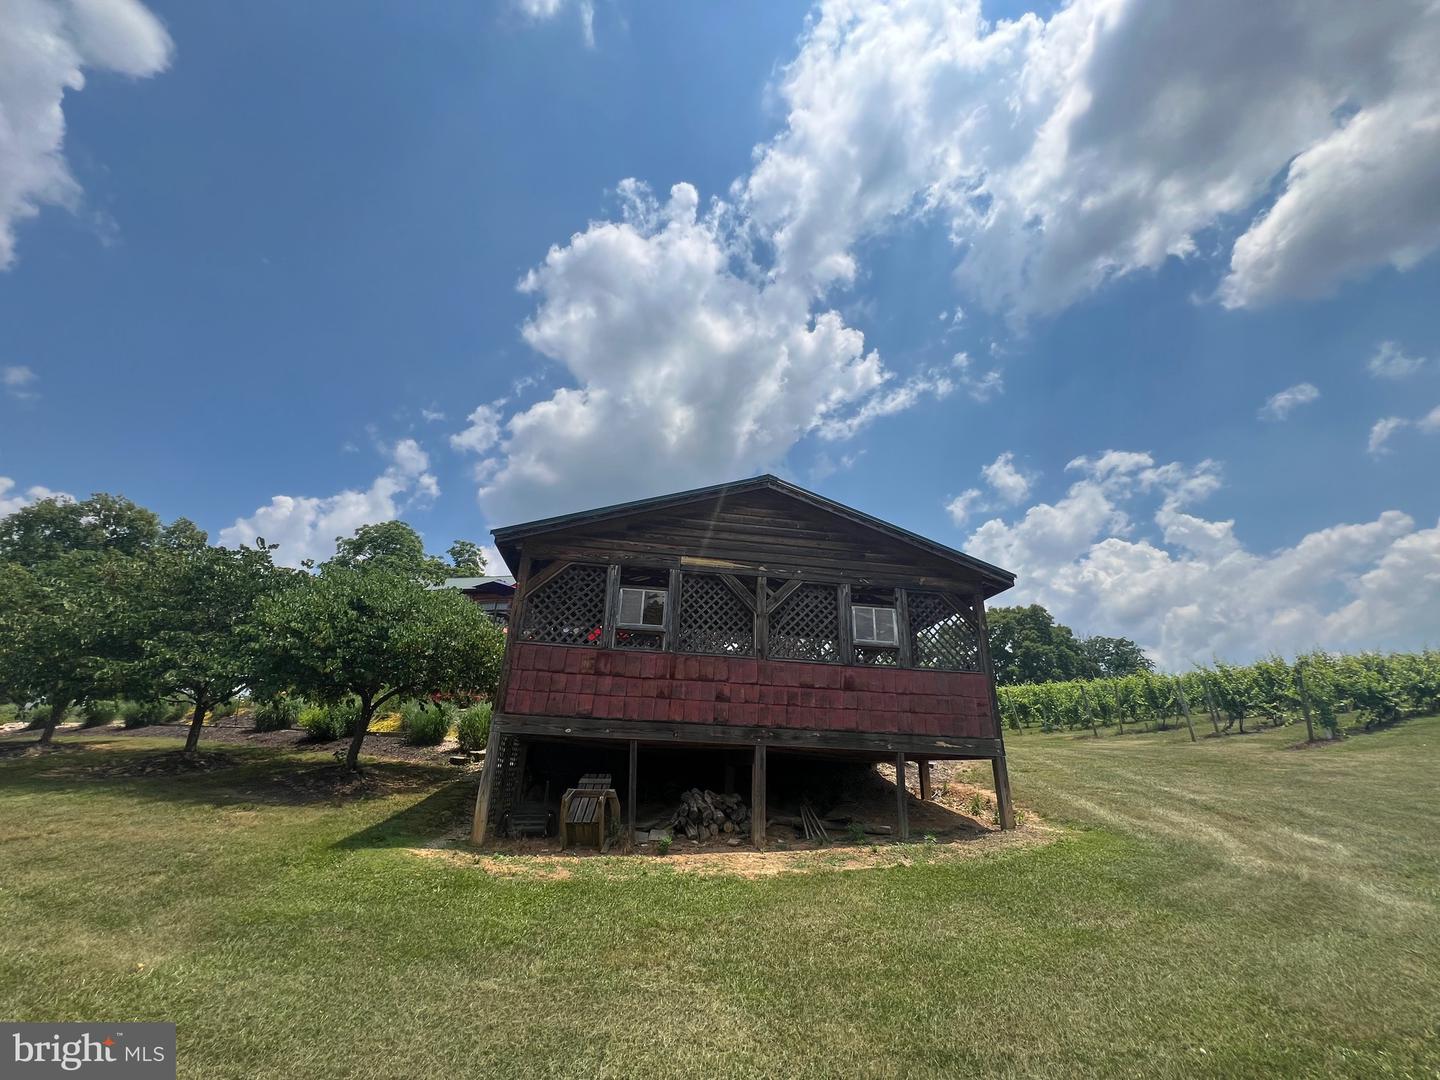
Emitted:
pixel 756 531
pixel 557 680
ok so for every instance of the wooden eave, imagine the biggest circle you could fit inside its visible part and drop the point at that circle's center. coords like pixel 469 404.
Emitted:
pixel 510 539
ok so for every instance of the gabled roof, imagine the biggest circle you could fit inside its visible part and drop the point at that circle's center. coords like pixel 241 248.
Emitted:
pixel 500 586
pixel 508 537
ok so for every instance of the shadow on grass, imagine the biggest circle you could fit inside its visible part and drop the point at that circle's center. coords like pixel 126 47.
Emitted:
pixel 214 776
pixel 443 813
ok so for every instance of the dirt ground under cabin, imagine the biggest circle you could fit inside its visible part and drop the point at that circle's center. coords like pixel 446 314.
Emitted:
pixel 854 801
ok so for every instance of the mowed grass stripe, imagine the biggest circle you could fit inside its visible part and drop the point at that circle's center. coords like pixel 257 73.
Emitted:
pixel 1232 907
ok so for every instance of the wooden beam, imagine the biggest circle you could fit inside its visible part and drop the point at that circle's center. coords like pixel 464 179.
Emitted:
pixel 630 804
pixel 1002 793
pixel 902 628
pixel 923 765
pixel 758 812
pixel 881 744
pixel 612 606
pixel 847 643
pixel 762 617
pixel 517 616
pixel 1002 774
pixel 902 812
pixel 739 589
pixel 557 567
pixel 481 824
pixel 783 593
pixel 672 612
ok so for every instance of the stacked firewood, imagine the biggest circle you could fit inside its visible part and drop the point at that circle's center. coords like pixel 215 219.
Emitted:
pixel 704 814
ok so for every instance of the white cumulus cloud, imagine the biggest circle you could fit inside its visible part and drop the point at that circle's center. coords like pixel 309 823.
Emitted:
pixel 1391 362
pixel 1064 152
pixel 1388 427
pixel 1005 479
pixel 1123 552
pixel 687 368
pixel 306 527
pixel 45 48
pixel 1281 405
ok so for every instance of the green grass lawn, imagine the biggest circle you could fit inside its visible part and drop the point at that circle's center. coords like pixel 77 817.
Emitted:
pixel 1231 907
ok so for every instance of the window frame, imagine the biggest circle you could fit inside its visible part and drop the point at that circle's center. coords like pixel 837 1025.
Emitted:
pixel 870 610
pixel 664 595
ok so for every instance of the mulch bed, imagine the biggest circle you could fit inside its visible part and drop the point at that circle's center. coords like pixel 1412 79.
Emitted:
pixel 239 729
pixel 165 763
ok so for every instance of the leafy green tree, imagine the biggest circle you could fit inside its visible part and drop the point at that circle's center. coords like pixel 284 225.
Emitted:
pixel 365 630
pixel 392 546
pixel 1027 645
pixel 65 573
pixel 63 630
pixel 466 555
pixel 52 528
pixel 1113 657
pixel 194 611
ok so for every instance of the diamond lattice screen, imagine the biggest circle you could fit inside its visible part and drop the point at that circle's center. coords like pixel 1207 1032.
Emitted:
pixel 713 619
pixel 943 638
pixel 569 609
pixel 807 625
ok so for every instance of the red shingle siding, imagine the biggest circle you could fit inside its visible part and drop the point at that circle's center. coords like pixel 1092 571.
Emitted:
pixel 555 680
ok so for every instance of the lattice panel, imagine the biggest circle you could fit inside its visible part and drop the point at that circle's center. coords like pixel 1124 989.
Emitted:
pixel 713 619
pixel 877 656
pixel 943 638
pixel 807 625
pixel 569 609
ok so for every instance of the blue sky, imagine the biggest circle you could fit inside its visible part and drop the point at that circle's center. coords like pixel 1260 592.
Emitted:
pixel 280 253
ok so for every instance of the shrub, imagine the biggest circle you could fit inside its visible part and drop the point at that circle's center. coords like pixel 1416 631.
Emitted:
pixel 474 726
pixel 330 722
pixel 278 713
pixel 135 714
pixel 424 723
pixel 95 713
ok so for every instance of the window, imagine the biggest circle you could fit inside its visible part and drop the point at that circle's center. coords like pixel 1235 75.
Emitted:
pixel 642 608
pixel 875 626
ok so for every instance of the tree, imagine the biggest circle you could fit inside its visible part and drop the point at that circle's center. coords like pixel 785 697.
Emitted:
pixel 66 570
pixel 195 605
pixel 51 528
pixel 466 555
pixel 389 545
pixel 1113 657
pixel 1027 645
pixel 369 631
pixel 63 630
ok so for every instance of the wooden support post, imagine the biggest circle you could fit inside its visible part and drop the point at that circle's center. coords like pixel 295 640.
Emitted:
pixel 923 764
pixel 1214 712
pixel 902 813
pixel 757 798
pixel 1185 708
pixel 1003 804
pixel 487 784
pixel 630 803
pixel 1304 702
pixel 1005 809
pixel 1090 716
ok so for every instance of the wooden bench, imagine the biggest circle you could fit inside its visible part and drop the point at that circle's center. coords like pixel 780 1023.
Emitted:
pixel 583 810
